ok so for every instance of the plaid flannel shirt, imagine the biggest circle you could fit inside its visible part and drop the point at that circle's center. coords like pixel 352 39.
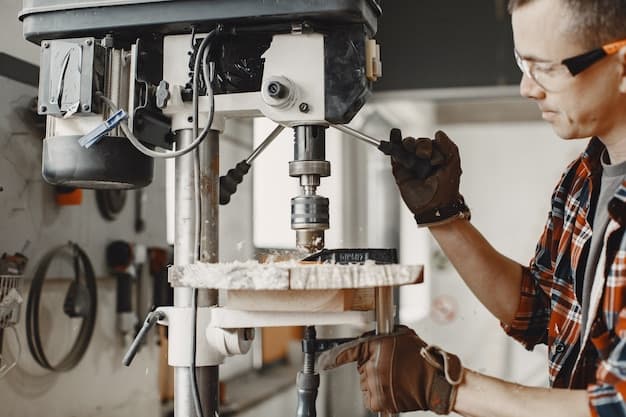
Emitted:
pixel 549 311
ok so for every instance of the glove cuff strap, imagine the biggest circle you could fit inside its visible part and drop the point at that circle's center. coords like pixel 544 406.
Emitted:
pixel 446 380
pixel 442 215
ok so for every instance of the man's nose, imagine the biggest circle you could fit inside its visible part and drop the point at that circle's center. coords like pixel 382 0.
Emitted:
pixel 530 89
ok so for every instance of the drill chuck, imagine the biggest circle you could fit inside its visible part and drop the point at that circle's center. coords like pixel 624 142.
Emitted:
pixel 309 218
pixel 309 212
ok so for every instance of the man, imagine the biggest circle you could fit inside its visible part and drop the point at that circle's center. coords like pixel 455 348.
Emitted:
pixel 572 297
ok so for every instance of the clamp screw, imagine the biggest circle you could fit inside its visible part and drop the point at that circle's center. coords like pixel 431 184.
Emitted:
pixel 304 107
pixel 88 42
pixel 46 44
pixel 86 107
pixel 43 109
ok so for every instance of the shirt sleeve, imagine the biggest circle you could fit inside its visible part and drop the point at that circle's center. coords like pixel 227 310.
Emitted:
pixel 532 319
pixel 529 327
pixel 606 396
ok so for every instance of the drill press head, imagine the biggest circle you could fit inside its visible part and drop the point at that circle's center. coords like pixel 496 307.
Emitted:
pixel 304 65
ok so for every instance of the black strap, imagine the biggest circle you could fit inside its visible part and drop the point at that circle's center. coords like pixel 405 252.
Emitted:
pixel 456 209
pixel 33 333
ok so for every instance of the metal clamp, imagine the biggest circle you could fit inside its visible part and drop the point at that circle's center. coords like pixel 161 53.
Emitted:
pixel 216 344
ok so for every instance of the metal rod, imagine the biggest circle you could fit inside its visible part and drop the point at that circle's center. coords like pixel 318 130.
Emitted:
pixel 264 144
pixel 208 376
pixel 384 318
pixel 359 135
pixel 184 239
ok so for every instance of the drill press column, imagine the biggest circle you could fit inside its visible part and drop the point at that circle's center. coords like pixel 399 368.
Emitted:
pixel 309 211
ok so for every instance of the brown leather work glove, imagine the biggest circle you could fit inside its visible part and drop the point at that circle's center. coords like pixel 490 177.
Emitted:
pixel 428 173
pixel 399 372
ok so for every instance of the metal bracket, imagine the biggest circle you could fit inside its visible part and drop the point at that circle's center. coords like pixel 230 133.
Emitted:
pixel 224 332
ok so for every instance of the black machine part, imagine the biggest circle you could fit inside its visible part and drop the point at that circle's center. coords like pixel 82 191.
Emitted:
pixel 112 163
pixel 354 256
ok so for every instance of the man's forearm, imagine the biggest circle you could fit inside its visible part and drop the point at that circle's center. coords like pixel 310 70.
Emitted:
pixel 483 396
pixel 492 277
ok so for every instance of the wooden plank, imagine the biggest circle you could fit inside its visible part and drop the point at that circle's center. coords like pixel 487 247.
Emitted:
pixel 329 276
pixel 252 275
pixel 301 300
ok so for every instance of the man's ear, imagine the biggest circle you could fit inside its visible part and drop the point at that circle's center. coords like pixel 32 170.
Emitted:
pixel 621 56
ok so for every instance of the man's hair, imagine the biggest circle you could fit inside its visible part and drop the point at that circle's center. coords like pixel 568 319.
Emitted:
pixel 595 22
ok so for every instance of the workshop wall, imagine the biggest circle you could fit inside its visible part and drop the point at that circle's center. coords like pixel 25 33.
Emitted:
pixel 29 214
pixel 445 44
pixel 12 42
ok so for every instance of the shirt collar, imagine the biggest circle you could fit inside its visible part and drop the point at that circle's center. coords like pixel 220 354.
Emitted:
pixel 591 157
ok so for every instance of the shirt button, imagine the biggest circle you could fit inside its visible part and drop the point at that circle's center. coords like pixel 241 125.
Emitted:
pixel 559 348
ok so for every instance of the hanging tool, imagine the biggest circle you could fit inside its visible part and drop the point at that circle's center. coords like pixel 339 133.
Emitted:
pixel 81 301
pixel 68 196
pixel 110 203
pixel 11 270
pixel 119 257
pixel 140 223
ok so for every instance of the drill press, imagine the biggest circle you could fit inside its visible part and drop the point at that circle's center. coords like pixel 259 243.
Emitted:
pixel 152 72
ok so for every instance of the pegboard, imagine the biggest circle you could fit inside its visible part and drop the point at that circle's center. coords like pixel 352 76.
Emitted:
pixel 28 212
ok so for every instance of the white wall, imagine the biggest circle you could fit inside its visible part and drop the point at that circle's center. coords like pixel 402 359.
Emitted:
pixel 99 385
pixel 12 41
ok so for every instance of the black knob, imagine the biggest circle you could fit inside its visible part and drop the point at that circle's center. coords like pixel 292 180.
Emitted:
pixel 276 90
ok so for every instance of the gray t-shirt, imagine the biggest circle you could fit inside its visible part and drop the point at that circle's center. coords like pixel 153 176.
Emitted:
pixel 612 177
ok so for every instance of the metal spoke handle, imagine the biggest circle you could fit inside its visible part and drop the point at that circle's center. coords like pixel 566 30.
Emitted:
pixel 148 324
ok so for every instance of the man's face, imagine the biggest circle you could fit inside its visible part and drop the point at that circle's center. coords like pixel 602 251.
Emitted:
pixel 589 104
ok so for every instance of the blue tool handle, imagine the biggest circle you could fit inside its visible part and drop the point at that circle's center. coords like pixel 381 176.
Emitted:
pixel 98 133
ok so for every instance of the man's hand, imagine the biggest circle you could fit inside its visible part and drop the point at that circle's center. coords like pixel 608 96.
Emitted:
pixel 399 372
pixel 428 173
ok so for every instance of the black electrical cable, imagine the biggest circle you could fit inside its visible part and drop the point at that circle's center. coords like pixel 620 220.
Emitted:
pixel 194 378
pixel 87 311
pixel 200 64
